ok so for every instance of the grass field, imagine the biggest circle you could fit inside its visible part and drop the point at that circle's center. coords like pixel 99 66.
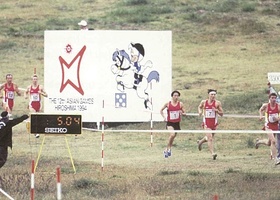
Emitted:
pixel 134 170
pixel 229 45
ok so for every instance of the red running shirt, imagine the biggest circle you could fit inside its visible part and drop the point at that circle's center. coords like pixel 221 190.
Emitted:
pixel 35 98
pixel 269 117
pixel 9 95
pixel 173 112
pixel 210 119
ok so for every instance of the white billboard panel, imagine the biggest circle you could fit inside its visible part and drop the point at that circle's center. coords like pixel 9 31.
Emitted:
pixel 274 77
pixel 121 76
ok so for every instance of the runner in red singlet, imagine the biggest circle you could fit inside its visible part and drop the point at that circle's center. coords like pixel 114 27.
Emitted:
pixel 175 109
pixel 271 111
pixel 35 91
pixel 210 109
pixel 9 89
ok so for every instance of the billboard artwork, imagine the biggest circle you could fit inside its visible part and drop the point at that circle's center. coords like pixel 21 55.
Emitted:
pixel 122 76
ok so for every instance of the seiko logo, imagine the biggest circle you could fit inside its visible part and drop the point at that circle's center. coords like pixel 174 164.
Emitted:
pixel 55 130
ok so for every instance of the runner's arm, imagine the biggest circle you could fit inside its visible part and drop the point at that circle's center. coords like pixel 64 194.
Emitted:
pixel 200 107
pixel 262 110
pixel 17 90
pixel 219 109
pixel 162 109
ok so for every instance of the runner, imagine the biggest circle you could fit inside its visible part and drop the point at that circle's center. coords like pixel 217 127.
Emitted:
pixel 210 109
pixel 9 89
pixel 34 92
pixel 271 111
pixel 175 109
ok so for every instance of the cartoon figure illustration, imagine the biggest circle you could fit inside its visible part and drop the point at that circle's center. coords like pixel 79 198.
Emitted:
pixel 129 72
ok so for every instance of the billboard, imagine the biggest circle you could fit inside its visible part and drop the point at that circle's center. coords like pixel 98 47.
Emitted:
pixel 273 77
pixel 121 76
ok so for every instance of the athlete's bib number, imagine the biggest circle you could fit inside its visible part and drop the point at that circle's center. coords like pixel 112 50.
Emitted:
pixel 271 117
pixel 209 113
pixel 35 97
pixel 10 95
pixel 174 115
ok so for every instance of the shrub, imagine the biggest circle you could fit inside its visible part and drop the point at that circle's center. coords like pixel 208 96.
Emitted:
pixel 250 143
pixel 84 183
pixel 248 7
pixel 251 26
pixel 227 6
pixel 135 2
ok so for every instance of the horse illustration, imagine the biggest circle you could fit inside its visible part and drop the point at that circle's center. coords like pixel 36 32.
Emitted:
pixel 127 76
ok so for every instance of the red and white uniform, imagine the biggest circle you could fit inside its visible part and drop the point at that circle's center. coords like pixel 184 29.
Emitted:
pixel 270 114
pixel 9 95
pixel 210 119
pixel 173 112
pixel 35 98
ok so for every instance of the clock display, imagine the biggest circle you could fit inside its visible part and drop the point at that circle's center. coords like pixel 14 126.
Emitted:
pixel 55 124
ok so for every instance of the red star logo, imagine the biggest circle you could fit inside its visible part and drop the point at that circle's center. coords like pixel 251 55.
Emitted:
pixel 68 48
pixel 65 68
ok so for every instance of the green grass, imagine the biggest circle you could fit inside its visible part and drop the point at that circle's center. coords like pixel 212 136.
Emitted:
pixel 229 45
pixel 134 170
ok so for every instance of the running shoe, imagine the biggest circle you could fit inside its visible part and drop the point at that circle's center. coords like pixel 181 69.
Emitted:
pixel 165 154
pixel 277 161
pixel 257 143
pixel 169 152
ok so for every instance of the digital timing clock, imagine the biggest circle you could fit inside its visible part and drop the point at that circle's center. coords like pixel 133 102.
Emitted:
pixel 55 124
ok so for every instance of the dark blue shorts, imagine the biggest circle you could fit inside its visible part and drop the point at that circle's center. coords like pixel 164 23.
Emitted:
pixel 175 125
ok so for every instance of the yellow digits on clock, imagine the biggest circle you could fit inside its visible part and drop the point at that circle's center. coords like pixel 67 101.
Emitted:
pixel 59 121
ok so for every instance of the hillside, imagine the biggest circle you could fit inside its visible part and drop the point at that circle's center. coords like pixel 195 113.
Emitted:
pixel 229 45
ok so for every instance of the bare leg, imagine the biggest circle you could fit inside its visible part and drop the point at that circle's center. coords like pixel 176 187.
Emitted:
pixel 7 108
pixel 259 142
pixel 210 142
pixel 209 138
pixel 200 142
pixel 167 151
pixel 273 145
pixel 171 138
